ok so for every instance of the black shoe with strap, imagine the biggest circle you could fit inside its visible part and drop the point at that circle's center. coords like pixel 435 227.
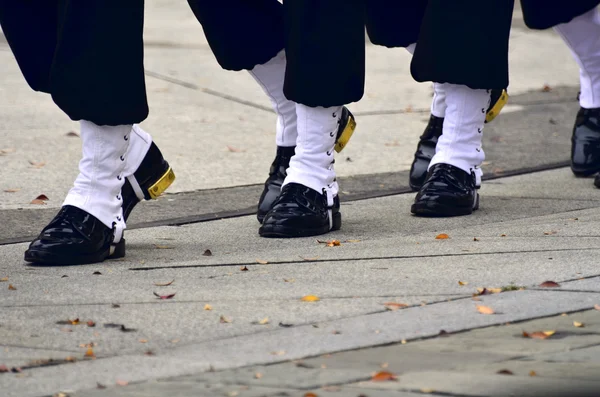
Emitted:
pixel 447 191
pixel 433 130
pixel 75 237
pixel 585 143
pixel 300 211
pixel 278 171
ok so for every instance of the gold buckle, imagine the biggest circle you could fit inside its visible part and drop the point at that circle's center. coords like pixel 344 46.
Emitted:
pixel 346 135
pixel 162 184
pixel 497 108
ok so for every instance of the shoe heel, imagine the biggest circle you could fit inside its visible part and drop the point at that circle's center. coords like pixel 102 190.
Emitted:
pixel 337 221
pixel 117 250
pixel 344 136
pixel 161 184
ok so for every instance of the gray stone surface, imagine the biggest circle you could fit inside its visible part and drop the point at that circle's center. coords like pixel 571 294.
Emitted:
pixel 586 370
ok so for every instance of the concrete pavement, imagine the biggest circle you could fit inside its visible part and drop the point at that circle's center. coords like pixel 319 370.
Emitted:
pixel 391 298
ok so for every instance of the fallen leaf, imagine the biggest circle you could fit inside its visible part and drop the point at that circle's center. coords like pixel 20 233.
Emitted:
pixel 310 394
pixel 394 143
pixel 394 306
pixel 444 333
pixel 503 235
pixel 12 287
pixel 90 353
pixel 3 279
pixel 163 247
pixel 175 341
pixel 334 243
pixel 283 325
pixel 539 334
pixel 70 359
pixel 461 283
pixel 207 307
pixel 12 190
pixel 408 109
pixel 164 284
pixel 115 306
pixel 143 340
pixel 233 393
pixel 60 394
pixel 244 269
pixel 352 241
pixel 310 259
pixel 532 373
pixel 549 284
pixel 403 342
pixel 100 386
pixel 258 375
pixel 505 372
pixel 7 150
pixel 4 368
pixel 207 253
pixel 546 88
pixel 121 327
pixel 495 290
pixel 597 307
pixel 264 321
pixel 485 309
pixel 578 324
pixel 235 150
pixel 224 320
pixel 38 202
pixel 550 233
pixel 278 353
pixel 260 261
pixel 289 280
pixel 383 376
pixel 384 365
pixel 91 324
pixel 426 390
pixel 170 296
pixel 37 164
pixel 96 273
pixel 122 382
pixel 72 134
pixel 475 239
pixel 66 330
pixel 310 298
pixel 442 236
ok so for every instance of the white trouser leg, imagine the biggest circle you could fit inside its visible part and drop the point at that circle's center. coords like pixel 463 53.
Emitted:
pixel 139 144
pixel 438 105
pixel 460 143
pixel 97 189
pixel 271 76
pixel 582 35
pixel 312 165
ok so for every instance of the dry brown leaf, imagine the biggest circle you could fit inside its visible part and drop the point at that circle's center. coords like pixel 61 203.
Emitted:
pixel 578 324
pixel 12 190
pixel 260 261
pixel 310 298
pixel 383 376
pixel 310 394
pixel 244 269
pixel 163 247
pixel 258 375
pixel 503 235
pixel 143 341
pixel 505 372
pixel 70 359
pixel 91 324
pixel 72 134
pixel 485 309
pixel 278 353
pixel 310 259
pixel 7 150
pixel 442 236
pixel 12 287
pixel 532 373
pixel 394 143
pixel 207 307
pixel 394 306
pixel 597 307
pixel 546 88
pixel 164 284
pixel 224 320
pixel 122 382
pixel 235 150
pixel 170 296
pixel 207 253
pixel 352 241
pixel 551 232
pixel 475 239
pixel 334 243
pixel 264 321
pixel 3 279
pixel 90 353
pixel 549 284
pixel 289 280
pixel 461 283
pixel 495 290
pixel 426 390
pixel 37 164
pixel 539 334
pixel 38 202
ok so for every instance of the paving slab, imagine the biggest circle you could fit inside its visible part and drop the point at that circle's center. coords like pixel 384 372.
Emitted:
pixel 587 370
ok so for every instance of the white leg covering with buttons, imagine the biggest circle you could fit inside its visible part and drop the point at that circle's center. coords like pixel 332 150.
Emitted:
pixel 582 35
pixel 271 76
pixel 438 104
pixel 460 143
pixel 97 189
pixel 312 165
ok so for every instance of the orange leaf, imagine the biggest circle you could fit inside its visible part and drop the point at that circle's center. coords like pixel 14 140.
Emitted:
pixel 12 287
pixel 143 340
pixel 383 376
pixel 207 307
pixel 122 382
pixel 334 243
pixel 310 394
pixel 549 284
pixel 546 88
pixel 485 309
pixel 538 334
pixel 310 298
pixel 394 306
pixel 442 236
pixel 4 279
pixel 532 373
pixel 90 353
pixel 461 283
pixel 244 269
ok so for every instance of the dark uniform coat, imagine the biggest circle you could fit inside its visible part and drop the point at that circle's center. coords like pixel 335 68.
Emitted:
pixel 544 14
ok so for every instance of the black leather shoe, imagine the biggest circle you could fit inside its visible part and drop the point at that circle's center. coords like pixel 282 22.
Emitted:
pixel 154 176
pixel 447 191
pixel 301 212
pixel 433 130
pixel 585 143
pixel 74 237
pixel 277 173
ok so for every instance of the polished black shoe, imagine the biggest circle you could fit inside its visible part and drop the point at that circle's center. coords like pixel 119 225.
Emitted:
pixel 585 143
pixel 154 176
pixel 277 173
pixel 301 212
pixel 74 237
pixel 447 191
pixel 433 130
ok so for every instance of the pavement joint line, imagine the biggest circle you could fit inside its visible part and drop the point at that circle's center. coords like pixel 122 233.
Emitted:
pixel 37 348
pixel 374 258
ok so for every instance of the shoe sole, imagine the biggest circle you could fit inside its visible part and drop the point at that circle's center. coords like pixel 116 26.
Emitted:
pixel 288 232
pixel 584 173
pixel 44 258
pixel 432 209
